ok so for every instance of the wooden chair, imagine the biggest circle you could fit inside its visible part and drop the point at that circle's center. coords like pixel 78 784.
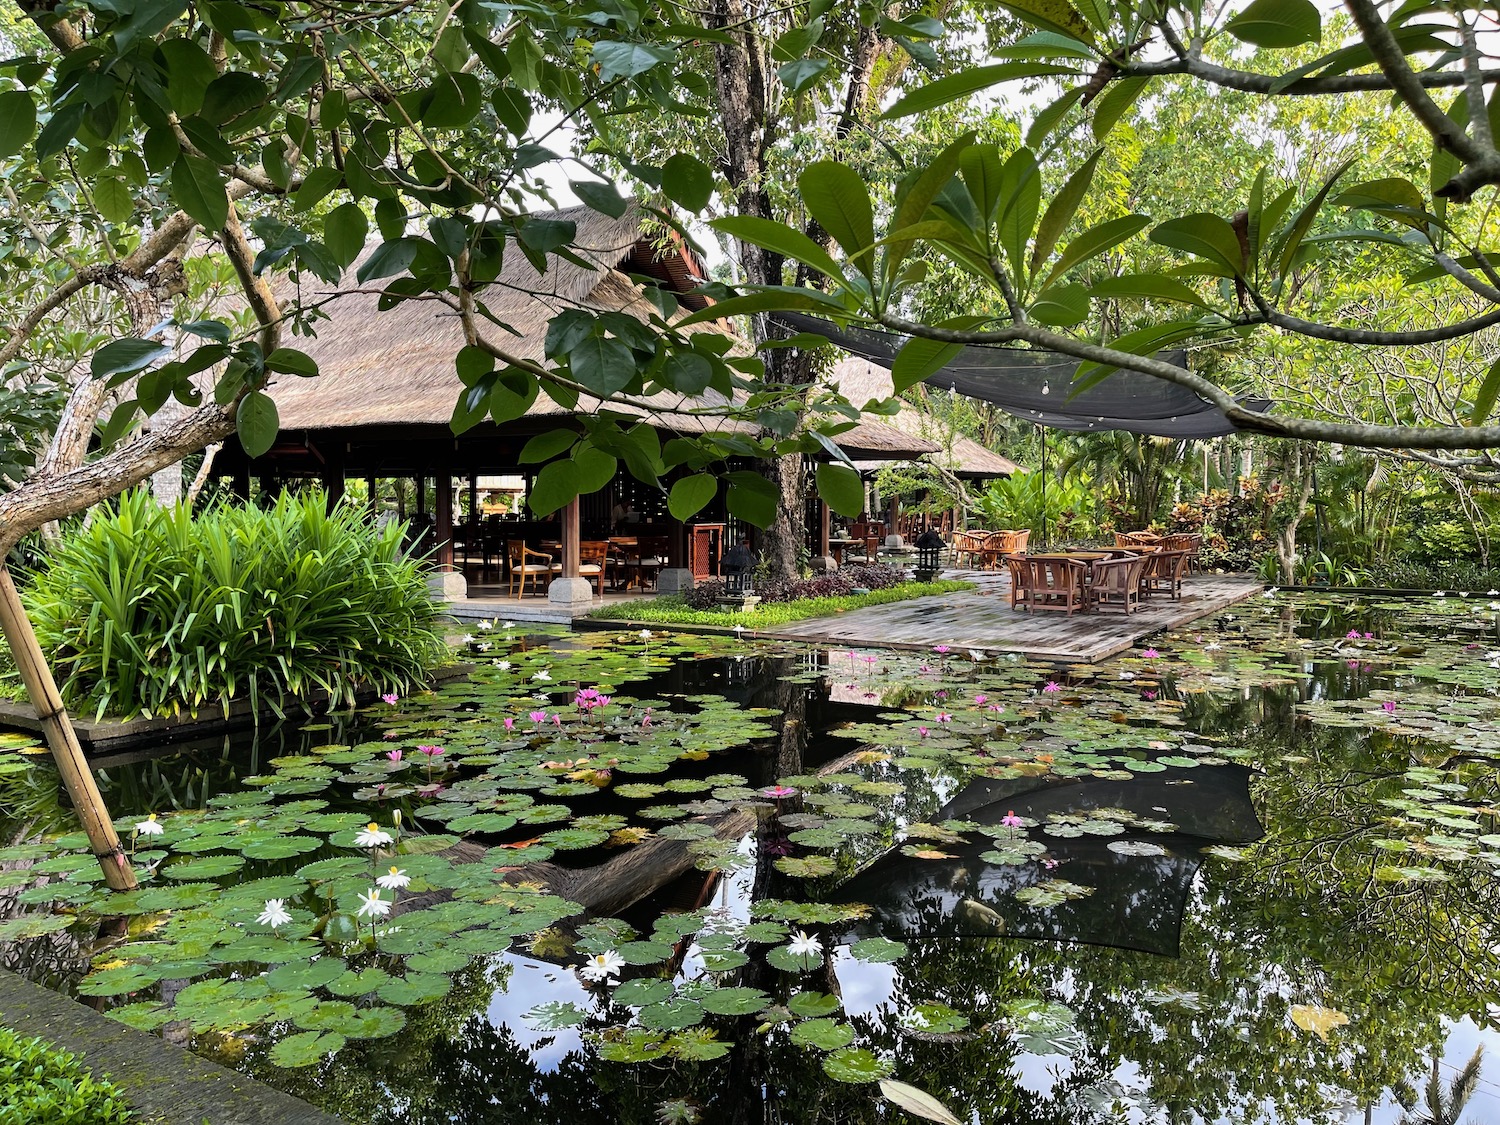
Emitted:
pixel 1189 542
pixel 1020 580
pixel 1022 537
pixel 593 562
pixel 996 545
pixel 521 567
pixel 641 559
pixel 1132 539
pixel 1117 583
pixel 1163 573
pixel 1057 584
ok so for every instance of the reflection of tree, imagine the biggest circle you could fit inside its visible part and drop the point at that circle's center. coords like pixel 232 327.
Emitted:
pixel 1444 1105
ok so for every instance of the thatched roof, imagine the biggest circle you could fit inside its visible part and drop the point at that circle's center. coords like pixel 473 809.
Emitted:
pixel 395 367
pixel 859 381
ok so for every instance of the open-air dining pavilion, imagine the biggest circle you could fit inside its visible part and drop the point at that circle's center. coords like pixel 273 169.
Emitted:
pixel 382 405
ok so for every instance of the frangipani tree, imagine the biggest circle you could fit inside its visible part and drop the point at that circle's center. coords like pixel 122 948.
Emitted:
pixel 986 209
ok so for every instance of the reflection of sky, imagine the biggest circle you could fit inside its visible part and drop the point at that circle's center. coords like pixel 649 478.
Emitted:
pixel 532 983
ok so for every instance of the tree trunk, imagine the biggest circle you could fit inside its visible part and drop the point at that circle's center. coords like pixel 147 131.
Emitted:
pixel 1297 478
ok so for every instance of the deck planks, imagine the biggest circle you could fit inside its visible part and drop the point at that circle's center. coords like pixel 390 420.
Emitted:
pixel 983 619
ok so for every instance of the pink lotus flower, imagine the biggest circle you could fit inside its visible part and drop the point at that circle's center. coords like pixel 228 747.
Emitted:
pixel 944 717
pixel 1150 654
pixel 923 731
pixel 430 751
pixel 510 724
pixel 1352 663
pixel 389 697
pixel 778 792
pixel 538 716
pixel 556 719
pixel 1010 819
pixel 979 700
pixel 394 755
pixel 1148 696
pixel 1389 706
pixel 1052 687
pixel 997 707
pixel 1352 635
pixel 1371 637
pixel 941 649
pixel 646 718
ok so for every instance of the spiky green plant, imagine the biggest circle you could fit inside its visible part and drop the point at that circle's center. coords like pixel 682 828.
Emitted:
pixel 155 611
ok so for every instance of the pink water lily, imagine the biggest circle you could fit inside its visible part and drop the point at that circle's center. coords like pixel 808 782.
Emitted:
pixel 538 716
pixel 944 717
pixel 1389 706
pixel 778 792
pixel 923 731
pixel 510 723
pixel 1010 819
pixel 941 649
pixel 1150 654
pixel 979 700
pixel 389 697
pixel 430 751
pixel 1352 635
pixel 1052 687
pixel 394 755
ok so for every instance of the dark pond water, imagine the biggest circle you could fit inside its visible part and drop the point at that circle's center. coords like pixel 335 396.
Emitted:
pixel 1246 873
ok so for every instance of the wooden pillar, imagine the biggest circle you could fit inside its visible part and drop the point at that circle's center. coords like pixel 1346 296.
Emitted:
pixel 823 522
pixel 421 483
pixel 240 484
pixel 443 521
pixel 333 475
pixel 372 490
pixel 895 514
pixel 571 560
pixel 474 499
pixel 77 777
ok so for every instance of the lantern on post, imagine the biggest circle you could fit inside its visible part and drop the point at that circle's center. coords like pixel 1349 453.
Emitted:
pixel 929 547
pixel 736 566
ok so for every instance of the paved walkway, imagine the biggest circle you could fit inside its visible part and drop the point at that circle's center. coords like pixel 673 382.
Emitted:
pixel 983 619
pixel 165 1083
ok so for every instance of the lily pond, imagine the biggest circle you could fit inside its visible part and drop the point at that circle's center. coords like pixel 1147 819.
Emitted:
pixel 1246 873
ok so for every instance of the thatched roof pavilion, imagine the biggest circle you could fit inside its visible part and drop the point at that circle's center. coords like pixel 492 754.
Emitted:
pixel 382 403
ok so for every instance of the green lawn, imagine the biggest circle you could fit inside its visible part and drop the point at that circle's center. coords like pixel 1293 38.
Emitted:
pixel 670 609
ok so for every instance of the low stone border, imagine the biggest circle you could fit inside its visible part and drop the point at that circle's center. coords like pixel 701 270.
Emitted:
pixel 164 1083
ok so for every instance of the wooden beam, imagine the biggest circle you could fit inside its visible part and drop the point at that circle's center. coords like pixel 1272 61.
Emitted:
pixel 824 520
pixel 77 777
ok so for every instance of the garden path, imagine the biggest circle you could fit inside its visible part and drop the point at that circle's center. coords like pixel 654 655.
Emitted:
pixel 982 619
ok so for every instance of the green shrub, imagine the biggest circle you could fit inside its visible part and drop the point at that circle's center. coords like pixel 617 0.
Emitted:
pixel 39 1084
pixel 152 611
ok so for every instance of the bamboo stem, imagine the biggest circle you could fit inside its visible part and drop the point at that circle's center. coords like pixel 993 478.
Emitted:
pixel 77 777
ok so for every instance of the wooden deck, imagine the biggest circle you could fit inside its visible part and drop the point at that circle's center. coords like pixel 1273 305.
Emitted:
pixel 983 619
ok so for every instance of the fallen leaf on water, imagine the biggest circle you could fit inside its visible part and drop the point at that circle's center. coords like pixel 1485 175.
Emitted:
pixel 1318 1019
pixel 917 1102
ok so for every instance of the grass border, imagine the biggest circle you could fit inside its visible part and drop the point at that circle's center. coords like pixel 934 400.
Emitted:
pixel 669 609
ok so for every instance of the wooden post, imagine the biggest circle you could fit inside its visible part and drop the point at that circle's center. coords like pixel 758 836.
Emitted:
pixel 571 560
pixel 333 476
pixel 77 777
pixel 241 485
pixel 823 522
pixel 443 520
pixel 895 516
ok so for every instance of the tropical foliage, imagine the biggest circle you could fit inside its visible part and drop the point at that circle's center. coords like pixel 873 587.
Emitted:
pixel 39 1083
pixel 154 611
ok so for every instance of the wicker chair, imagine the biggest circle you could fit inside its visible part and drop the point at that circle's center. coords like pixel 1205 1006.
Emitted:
pixel 1191 543
pixel 1020 580
pixel 1117 583
pixel 1163 573
pixel 968 543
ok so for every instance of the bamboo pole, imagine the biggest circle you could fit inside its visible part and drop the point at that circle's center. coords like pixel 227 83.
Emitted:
pixel 77 777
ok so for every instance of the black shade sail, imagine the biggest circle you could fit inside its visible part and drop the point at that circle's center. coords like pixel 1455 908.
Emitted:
pixel 1036 385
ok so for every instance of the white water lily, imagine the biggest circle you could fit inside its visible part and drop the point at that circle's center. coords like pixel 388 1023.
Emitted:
pixel 504 665
pixel 1271 593
pixel 275 914
pixel 394 880
pixel 602 966
pixel 739 631
pixel 645 634
pixel 484 646
pixel 466 639
pixel 1127 675
pixel 1440 593
pixel 371 905
pixel 486 626
pixel 803 944
pixel 543 675
pixel 1212 646
pixel 509 625
pixel 372 836
pixel 150 826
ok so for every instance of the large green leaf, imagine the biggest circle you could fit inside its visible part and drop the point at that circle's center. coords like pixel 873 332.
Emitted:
pixel 837 198
pixel 257 422
pixel 687 181
pixel 767 298
pixel 920 359
pixel 119 357
pixel 555 486
pixel 971 81
pixel 1484 398
pixel 17 121
pixel 1061 306
pixel 1205 236
pixel 626 60
pixel 915 196
pixel 1285 247
pixel 783 240
pixel 1095 241
pixel 1018 211
pixel 1277 23
pixel 1061 210
pixel 690 494
pixel 752 498
pixel 1148 287
pixel 198 188
pixel 841 488
pixel 603 365
pixel 1115 102
pixel 344 231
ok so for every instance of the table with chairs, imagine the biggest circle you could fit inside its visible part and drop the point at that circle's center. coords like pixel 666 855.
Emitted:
pixel 1115 579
